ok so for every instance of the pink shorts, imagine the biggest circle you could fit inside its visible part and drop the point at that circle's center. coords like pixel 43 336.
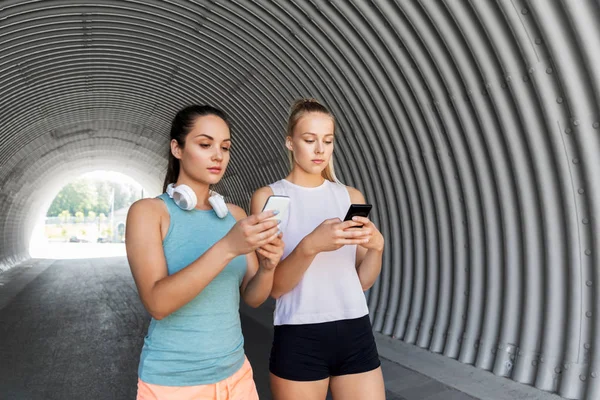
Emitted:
pixel 239 386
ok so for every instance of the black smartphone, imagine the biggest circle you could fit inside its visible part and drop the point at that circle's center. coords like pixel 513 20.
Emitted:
pixel 358 210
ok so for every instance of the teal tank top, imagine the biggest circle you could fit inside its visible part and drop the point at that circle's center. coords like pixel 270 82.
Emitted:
pixel 202 342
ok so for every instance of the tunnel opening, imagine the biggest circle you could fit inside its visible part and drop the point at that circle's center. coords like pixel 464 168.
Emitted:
pixel 472 127
pixel 86 218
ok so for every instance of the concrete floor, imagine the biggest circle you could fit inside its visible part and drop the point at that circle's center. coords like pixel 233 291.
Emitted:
pixel 73 329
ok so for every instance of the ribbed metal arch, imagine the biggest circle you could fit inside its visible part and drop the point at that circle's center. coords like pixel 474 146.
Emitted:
pixel 472 126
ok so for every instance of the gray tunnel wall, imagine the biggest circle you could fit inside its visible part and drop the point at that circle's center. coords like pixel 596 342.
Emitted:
pixel 472 126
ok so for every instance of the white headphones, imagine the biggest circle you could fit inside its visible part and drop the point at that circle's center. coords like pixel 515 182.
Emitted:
pixel 185 198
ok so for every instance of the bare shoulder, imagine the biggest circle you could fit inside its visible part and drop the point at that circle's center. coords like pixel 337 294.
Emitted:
pixel 147 207
pixel 147 218
pixel 263 193
pixel 259 198
pixel 356 197
pixel 237 211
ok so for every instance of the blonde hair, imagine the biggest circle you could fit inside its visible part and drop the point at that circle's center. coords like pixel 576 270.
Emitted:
pixel 300 108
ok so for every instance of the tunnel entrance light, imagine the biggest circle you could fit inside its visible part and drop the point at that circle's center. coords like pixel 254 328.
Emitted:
pixel 86 218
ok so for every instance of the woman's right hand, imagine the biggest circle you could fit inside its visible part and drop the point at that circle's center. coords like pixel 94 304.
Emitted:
pixel 250 233
pixel 332 234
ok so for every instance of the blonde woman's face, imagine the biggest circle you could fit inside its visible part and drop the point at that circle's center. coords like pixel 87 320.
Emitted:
pixel 312 142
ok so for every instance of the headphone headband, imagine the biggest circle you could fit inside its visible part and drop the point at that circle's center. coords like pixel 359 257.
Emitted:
pixel 185 198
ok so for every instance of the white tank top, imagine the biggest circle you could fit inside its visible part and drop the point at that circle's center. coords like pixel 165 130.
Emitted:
pixel 330 289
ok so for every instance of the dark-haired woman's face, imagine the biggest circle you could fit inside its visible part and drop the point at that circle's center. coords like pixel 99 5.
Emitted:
pixel 205 155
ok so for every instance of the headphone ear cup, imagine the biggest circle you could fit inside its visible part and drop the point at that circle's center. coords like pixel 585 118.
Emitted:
pixel 185 197
pixel 170 190
pixel 218 204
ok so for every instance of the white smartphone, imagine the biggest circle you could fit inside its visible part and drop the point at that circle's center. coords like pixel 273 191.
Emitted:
pixel 279 203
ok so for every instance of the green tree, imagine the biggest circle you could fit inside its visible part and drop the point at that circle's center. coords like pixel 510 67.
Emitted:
pixel 65 215
pixel 103 189
pixel 86 195
pixel 79 195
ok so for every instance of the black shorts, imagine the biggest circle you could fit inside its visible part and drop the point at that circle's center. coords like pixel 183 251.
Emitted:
pixel 311 352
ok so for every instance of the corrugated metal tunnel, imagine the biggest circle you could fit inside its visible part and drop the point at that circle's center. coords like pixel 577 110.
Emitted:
pixel 472 126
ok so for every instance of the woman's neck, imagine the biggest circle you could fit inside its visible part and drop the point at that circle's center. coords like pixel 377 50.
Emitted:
pixel 302 178
pixel 201 189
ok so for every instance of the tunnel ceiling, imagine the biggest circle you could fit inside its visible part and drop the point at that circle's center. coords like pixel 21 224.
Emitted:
pixel 472 126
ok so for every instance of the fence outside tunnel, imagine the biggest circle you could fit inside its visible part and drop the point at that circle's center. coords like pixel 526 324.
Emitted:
pixel 472 126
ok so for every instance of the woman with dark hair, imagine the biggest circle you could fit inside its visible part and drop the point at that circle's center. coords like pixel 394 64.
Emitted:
pixel 192 256
pixel 323 336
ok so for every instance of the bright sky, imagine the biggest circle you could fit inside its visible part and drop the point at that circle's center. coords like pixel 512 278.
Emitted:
pixel 111 176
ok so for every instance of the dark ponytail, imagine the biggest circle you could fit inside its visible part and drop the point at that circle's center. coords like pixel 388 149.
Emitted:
pixel 180 127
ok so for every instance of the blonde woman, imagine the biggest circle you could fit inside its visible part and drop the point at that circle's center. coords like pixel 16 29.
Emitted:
pixel 323 336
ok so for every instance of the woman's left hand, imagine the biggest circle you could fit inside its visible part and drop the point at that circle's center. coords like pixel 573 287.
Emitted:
pixel 270 254
pixel 375 239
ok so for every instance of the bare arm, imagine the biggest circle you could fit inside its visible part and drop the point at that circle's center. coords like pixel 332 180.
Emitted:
pixel 258 280
pixel 259 198
pixel 368 255
pixel 329 236
pixel 161 293
pixel 290 271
